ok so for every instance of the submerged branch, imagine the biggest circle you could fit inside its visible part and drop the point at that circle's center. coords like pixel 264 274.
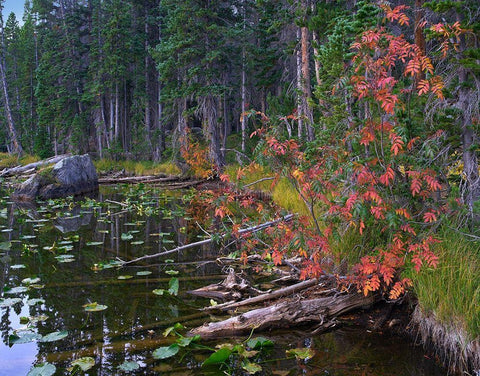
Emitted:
pixel 210 240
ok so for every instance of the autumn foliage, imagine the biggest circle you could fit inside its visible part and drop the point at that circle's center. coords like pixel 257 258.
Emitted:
pixel 370 180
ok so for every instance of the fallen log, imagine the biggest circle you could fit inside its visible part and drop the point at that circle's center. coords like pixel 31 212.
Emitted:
pixel 209 240
pixel 19 170
pixel 284 292
pixel 140 179
pixel 286 314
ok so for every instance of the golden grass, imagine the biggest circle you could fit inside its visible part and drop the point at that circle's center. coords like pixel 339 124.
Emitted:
pixel 11 160
pixel 137 168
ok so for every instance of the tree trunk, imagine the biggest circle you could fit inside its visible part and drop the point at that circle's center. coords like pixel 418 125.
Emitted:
pixel 300 112
pixel 17 147
pixel 305 80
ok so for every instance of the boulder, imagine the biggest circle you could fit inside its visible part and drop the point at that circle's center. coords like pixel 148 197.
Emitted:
pixel 71 176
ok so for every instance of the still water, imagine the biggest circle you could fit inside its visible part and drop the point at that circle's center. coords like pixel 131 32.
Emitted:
pixel 56 263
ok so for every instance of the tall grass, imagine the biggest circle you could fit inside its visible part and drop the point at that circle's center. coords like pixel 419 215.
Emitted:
pixel 137 168
pixel 451 292
pixel 11 160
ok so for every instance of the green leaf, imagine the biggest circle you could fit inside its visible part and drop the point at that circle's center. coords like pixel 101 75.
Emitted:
pixel 94 307
pixel 32 302
pixel 30 281
pixel 128 366
pixel 5 246
pixel 16 290
pixel 301 353
pixel 144 272
pixel 94 243
pixel 84 363
pixel 159 292
pixel 54 336
pixel 126 236
pixel 138 242
pixel 219 356
pixel 45 369
pixel 251 368
pixel 18 266
pixel 171 272
pixel 166 352
pixel 186 341
pixel 8 302
pixel 23 337
pixel 259 342
pixel 173 286
pixel 125 276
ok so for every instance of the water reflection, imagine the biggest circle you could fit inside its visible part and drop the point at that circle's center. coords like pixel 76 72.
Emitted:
pixel 61 242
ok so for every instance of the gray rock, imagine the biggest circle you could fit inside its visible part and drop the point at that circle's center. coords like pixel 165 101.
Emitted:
pixel 70 177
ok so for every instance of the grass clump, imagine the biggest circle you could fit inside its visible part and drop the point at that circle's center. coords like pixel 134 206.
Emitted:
pixel 451 292
pixel 11 160
pixel 137 168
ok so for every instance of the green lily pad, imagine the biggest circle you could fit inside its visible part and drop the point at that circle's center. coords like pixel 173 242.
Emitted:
pixel 173 286
pixel 301 353
pixel 45 369
pixel 23 337
pixel 8 302
pixel 171 272
pixel 54 336
pixel 126 236
pixel 144 272
pixel 259 342
pixel 16 290
pixel 39 318
pixel 159 292
pixel 30 281
pixel 18 266
pixel 5 246
pixel 218 357
pixel 138 242
pixel 94 243
pixel 84 363
pixel 94 307
pixel 166 352
pixel 251 368
pixel 125 277
pixel 26 237
pixel 32 302
pixel 128 366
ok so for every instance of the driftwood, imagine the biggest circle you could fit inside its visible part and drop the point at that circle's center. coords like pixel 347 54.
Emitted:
pixel 283 292
pixel 29 168
pixel 285 314
pixel 138 179
pixel 210 240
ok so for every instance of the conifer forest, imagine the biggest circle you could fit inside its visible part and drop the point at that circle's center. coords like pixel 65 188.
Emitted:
pixel 331 146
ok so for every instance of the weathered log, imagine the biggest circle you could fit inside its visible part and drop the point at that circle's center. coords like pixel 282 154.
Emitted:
pixel 286 314
pixel 284 292
pixel 209 240
pixel 19 170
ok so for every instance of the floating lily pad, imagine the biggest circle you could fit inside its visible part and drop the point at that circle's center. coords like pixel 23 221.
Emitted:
pixel 218 357
pixel 45 369
pixel 171 272
pixel 8 302
pixel 144 272
pixel 301 353
pixel 166 352
pixel 16 290
pixel 32 302
pixel 26 237
pixel 129 366
pixel 37 286
pixel 23 337
pixel 5 246
pixel 39 318
pixel 94 243
pixel 94 307
pixel 7 230
pixel 18 266
pixel 173 286
pixel 251 368
pixel 54 336
pixel 125 277
pixel 84 363
pixel 159 292
pixel 259 342
pixel 138 242
pixel 126 236
pixel 30 281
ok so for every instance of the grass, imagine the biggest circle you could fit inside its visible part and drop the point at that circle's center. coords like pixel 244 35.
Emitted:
pixel 138 168
pixel 451 292
pixel 11 160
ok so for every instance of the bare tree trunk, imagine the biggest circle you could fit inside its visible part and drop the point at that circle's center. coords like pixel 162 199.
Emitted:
pixel 315 57
pixel 306 85
pixel 418 30
pixel 244 79
pixel 17 147
pixel 300 112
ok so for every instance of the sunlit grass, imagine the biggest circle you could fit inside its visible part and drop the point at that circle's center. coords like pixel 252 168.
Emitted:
pixel 451 292
pixel 138 168
pixel 11 160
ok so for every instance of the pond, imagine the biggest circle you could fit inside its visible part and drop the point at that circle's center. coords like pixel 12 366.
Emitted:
pixel 64 300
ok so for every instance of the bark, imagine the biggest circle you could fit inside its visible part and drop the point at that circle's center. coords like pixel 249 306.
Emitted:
pixel 31 166
pixel 306 85
pixel 286 314
pixel 418 30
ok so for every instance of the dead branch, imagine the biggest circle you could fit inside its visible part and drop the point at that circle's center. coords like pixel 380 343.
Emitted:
pixel 27 169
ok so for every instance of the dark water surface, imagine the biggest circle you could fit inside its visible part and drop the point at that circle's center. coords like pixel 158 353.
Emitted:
pixel 34 243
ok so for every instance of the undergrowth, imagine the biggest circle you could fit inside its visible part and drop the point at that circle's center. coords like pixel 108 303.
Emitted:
pixel 11 160
pixel 137 168
pixel 451 292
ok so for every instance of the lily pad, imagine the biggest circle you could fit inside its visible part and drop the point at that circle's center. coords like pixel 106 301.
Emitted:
pixel 8 302
pixel 94 243
pixel 125 277
pixel 138 242
pixel 16 290
pixel 18 266
pixel 54 336
pixel 128 366
pixel 23 337
pixel 259 342
pixel 301 353
pixel 144 272
pixel 251 368
pixel 32 302
pixel 30 281
pixel 5 246
pixel 173 286
pixel 94 307
pixel 126 236
pixel 45 369
pixel 159 292
pixel 218 357
pixel 39 318
pixel 166 352
pixel 84 363
pixel 171 272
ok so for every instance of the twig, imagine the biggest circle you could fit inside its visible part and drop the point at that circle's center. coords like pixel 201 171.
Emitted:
pixel 259 181
pixel 207 241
